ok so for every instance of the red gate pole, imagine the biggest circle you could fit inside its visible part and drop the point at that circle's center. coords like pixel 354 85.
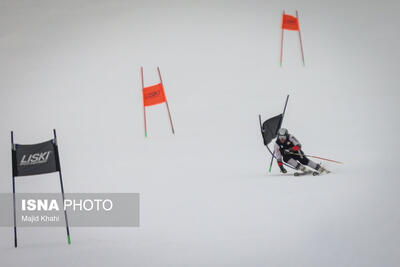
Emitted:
pixel 166 103
pixel 301 42
pixel 283 13
pixel 144 108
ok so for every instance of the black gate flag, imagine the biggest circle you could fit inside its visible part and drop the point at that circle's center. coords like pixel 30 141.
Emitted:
pixel 270 128
pixel 35 159
pixel 32 160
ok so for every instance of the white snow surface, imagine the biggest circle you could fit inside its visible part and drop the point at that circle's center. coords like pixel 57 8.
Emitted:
pixel 206 196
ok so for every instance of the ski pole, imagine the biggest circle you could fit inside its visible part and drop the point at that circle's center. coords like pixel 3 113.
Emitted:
pixel 331 160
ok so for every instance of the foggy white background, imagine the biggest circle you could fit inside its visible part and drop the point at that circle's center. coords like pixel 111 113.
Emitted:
pixel 206 197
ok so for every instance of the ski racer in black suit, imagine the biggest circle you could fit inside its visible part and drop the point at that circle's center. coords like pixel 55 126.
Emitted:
pixel 288 149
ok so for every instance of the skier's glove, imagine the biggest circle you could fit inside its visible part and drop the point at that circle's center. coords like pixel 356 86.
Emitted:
pixel 295 149
pixel 280 164
pixel 283 170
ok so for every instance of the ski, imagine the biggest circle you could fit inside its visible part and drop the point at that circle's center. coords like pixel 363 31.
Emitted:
pixel 322 171
pixel 302 173
pixel 313 173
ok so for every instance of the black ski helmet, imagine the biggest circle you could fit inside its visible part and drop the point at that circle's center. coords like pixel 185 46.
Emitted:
pixel 283 132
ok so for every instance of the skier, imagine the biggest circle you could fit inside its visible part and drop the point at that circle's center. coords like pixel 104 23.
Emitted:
pixel 288 149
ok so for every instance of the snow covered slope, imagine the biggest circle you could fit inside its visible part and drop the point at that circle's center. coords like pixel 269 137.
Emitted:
pixel 206 197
